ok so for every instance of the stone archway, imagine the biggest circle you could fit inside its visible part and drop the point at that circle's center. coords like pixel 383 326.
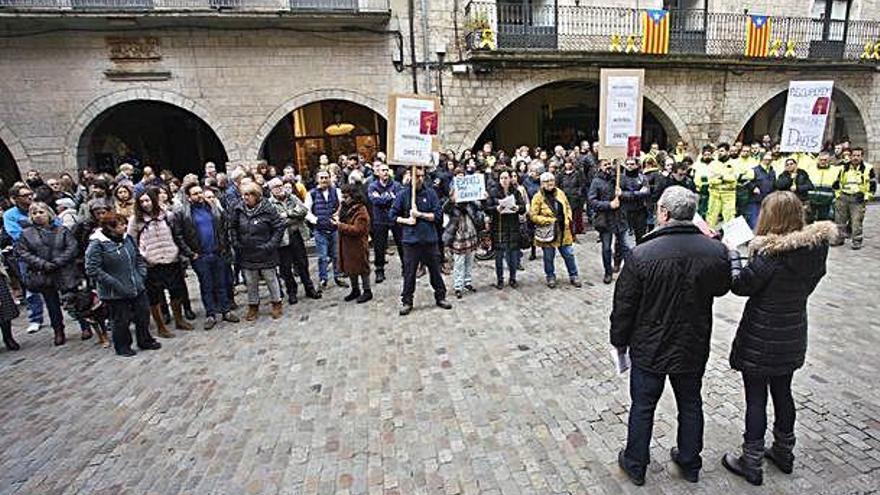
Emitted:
pixel 73 154
pixel 655 103
pixel 17 153
pixel 847 100
pixel 252 150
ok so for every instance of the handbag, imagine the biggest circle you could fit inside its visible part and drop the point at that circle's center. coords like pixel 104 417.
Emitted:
pixel 545 233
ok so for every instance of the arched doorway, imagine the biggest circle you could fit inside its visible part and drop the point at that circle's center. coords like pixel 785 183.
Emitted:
pixel 328 127
pixel 149 133
pixel 566 113
pixel 844 120
pixel 9 172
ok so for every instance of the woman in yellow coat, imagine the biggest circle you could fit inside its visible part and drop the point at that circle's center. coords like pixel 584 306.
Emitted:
pixel 551 214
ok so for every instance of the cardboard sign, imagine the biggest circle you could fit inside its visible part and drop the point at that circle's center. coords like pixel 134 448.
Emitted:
pixel 469 188
pixel 806 113
pixel 620 110
pixel 413 130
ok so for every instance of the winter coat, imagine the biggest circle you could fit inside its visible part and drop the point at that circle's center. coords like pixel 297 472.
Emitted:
pixel 354 243
pixel 459 236
pixel 573 184
pixel 155 239
pixel 664 183
pixel 381 197
pixel 256 235
pixel 505 226
pixel 782 273
pixel 49 254
pixel 542 214
pixel 117 268
pixel 187 235
pixel 600 196
pixel 532 185
pixel 293 214
pixel 423 232
pixel 803 184
pixel 663 299
pixel 632 198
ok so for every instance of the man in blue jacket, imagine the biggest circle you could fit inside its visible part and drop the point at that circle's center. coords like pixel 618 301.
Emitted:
pixel 381 193
pixel 419 240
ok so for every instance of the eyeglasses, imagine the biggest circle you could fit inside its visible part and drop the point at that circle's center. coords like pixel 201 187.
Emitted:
pixel 25 194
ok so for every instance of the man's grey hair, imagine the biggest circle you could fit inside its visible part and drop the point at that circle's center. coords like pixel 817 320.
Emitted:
pixel 547 176
pixel 679 202
pixel 536 166
pixel 236 174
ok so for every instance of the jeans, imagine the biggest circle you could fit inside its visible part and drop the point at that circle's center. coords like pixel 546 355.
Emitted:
pixel 34 300
pixel 645 389
pixel 125 311
pixel 625 243
pixel 53 305
pixel 512 254
pixel 756 405
pixel 252 280
pixel 211 272
pixel 327 245
pixel 462 266
pixel 567 253
pixel 380 243
pixel 429 255
pixel 293 257
pixel 752 210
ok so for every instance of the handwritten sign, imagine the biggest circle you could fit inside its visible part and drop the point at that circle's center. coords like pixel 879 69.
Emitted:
pixel 469 188
pixel 414 128
pixel 620 111
pixel 806 113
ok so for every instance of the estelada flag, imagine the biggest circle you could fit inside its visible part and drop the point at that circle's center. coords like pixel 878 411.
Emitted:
pixel 655 31
pixel 757 35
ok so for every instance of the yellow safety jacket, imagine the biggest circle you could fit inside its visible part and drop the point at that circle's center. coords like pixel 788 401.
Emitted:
pixel 857 179
pixel 723 176
pixel 823 180
pixel 700 175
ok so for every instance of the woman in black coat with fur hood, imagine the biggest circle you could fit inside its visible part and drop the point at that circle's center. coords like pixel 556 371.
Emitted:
pixel 786 263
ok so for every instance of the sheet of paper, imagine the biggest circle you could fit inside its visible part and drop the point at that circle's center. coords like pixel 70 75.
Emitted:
pixel 621 360
pixel 737 232
pixel 508 203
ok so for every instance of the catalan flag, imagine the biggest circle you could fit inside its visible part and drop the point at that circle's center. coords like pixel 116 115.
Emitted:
pixel 758 35
pixel 655 32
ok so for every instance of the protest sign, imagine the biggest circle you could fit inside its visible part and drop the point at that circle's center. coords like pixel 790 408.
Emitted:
pixel 806 113
pixel 469 188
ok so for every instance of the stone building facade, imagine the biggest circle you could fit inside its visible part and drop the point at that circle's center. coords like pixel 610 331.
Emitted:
pixel 241 70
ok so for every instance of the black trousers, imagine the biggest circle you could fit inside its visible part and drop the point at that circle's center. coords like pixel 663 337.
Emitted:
pixel 426 254
pixel 756 405
pixel 125 311
pixel 380 243
pixel 293 257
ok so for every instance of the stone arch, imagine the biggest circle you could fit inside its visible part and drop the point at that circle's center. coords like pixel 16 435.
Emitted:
pixel 851 100
pixel 252 151
pixel 15 147
pixel 72 153
pixel 659 106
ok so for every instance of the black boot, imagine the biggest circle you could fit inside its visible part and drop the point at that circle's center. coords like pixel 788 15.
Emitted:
pixel 8 341
pixel 749 464
pixel 781 452
pixel 188 312
pixel 166 313
pixel 366 296
pixel 380 275
pixel 291 297
pixel 355 290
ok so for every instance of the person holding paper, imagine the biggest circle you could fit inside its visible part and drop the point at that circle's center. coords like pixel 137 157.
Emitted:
pixel 787 261
pixel 505 205
pixel 662 315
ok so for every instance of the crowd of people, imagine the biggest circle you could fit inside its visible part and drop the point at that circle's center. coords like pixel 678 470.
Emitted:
pixel 113 251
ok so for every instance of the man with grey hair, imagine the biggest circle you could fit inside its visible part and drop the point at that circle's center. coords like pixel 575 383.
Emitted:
pixel 662 316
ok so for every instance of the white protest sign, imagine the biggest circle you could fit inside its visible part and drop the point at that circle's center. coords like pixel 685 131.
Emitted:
pixel 414 129
pixel 620 112
pixel 469 188
pixel 806 113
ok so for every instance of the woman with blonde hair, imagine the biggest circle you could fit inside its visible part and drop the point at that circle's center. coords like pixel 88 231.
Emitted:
pixel 786 263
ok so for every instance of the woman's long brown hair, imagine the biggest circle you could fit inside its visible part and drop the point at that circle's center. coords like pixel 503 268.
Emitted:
pixel 781 212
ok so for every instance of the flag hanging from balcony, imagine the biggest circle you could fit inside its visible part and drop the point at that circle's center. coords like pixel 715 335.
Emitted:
pixel 758 35
pixel 655 32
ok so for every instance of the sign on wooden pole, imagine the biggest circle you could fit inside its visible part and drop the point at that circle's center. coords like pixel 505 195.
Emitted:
pixel 620 112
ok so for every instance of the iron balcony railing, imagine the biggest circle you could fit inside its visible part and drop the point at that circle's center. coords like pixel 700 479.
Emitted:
pixel 355 6
pixel 517 26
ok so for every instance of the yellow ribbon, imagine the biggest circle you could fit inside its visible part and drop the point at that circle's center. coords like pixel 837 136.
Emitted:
pixel 867 52
pixel 789 49
pixel 615 43
pixel 775 47
pixel 631 44
pixel 487 39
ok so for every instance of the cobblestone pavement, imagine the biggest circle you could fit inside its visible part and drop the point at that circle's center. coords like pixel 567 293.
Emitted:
pixel 511 392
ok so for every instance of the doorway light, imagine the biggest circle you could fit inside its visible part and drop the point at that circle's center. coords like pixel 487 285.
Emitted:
pixel 338 127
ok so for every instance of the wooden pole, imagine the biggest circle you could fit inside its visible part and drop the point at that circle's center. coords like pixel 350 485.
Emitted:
pixel 412 181
pixel 617 178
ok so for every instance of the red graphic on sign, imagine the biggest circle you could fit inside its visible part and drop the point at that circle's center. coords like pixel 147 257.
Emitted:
pixel 428 123
pixel 821 106
pixel 633 146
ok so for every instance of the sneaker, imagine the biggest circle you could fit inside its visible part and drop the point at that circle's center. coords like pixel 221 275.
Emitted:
pixel 443 303
pixel 856 245
pixel 405 309
pixel 470 288
pixel 34 328
pixel 575 282
pixel 323 284
pixel 210 322
pixel 551 282
pixel 230 317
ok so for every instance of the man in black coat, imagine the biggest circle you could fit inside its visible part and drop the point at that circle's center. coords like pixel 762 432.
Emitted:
pixel 663 316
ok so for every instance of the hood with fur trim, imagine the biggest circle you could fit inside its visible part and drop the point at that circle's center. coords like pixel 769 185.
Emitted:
pixel 811 236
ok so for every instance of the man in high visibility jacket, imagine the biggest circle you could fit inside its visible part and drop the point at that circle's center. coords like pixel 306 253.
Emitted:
pixel 856 185
pixel 722 187
pixel 680 151
pixel 824 175
pixel 699 172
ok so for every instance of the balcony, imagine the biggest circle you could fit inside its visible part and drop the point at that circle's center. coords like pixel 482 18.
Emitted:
pixel 159 6
pixel 509 30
